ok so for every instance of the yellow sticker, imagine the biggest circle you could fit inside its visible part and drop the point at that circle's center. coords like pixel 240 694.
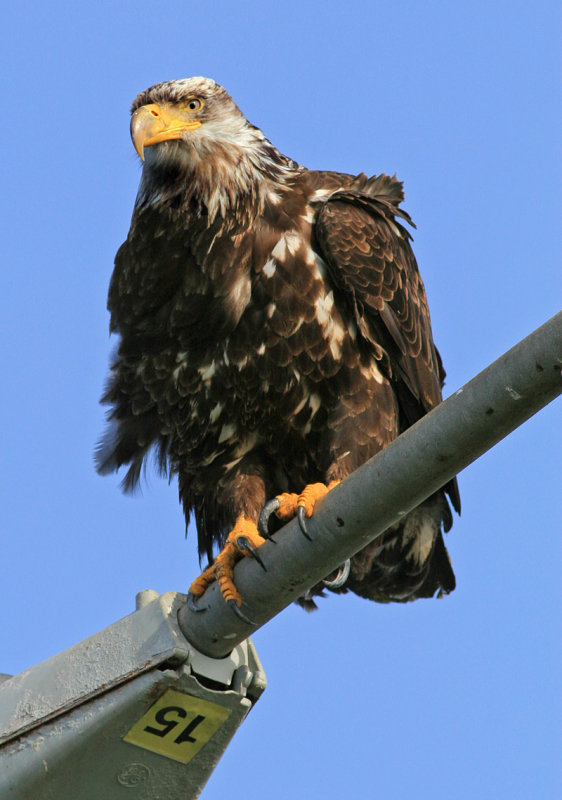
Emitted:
pixel 177 725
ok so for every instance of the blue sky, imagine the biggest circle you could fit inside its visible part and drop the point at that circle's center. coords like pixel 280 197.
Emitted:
pixel 438 699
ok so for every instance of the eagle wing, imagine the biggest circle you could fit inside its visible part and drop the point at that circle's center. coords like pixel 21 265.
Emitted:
pixel 370 260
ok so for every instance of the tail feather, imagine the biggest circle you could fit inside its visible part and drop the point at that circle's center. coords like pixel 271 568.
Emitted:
pixel 407 562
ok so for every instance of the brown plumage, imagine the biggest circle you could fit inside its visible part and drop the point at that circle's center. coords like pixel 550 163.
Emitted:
pixel 274 331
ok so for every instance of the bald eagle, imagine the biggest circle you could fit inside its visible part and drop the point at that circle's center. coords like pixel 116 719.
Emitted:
pixel 274 335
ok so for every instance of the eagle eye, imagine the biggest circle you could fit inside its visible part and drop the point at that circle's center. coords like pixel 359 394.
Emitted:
pixel 194 104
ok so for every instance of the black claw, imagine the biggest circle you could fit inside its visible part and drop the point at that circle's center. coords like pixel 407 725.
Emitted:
pixel 234 606
pixel 244 544
pixel 263 520
pixel 301 516
pixel 192 605
pixel 341 577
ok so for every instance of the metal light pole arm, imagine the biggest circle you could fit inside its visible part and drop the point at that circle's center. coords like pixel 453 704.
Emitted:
pixel 391 484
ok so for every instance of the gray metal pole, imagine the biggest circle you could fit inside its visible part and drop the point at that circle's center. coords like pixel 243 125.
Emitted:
pixel 411 468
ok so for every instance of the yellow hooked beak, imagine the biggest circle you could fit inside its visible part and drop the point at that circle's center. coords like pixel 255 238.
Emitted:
pixel 153 123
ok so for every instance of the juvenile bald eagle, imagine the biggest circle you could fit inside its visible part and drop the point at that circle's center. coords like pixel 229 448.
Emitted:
pixel 274 335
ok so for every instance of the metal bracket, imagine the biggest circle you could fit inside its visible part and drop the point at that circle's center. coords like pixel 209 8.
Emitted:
pixel 135 705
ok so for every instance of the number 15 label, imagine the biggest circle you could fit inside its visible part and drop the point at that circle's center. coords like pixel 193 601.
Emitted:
pixel 177 725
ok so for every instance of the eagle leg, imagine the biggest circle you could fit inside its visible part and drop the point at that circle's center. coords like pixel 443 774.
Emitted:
pixel 243 539
pixel 288 505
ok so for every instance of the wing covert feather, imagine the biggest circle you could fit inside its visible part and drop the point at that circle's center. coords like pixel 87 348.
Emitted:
pixel 369 257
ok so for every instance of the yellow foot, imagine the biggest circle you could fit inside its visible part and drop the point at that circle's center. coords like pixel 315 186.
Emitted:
pixel 243 539
pixel 286 506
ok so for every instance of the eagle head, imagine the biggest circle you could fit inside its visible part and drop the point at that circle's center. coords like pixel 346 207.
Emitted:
pixel 193 111
pixel 194 140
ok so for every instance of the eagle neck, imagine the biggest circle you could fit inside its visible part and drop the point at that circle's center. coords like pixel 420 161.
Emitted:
pixel 229 185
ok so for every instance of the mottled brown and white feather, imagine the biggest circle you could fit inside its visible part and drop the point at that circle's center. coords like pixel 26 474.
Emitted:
pixel 274 331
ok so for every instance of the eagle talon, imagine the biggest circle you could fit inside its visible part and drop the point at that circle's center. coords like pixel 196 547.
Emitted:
pixel 192 605
pixel 301 517
pixel 263 520
pixel 341 577
pixel 244 544
pixel 234 606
